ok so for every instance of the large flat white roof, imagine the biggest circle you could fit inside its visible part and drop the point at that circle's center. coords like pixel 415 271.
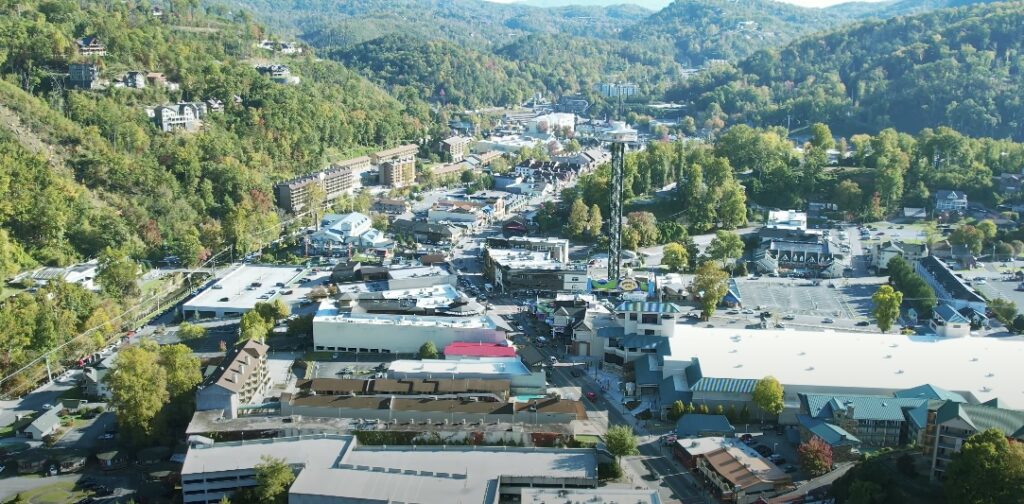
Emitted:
pixel 334 467
pixel 328 313
pixel 986 368
pixel 497 366
pixel 438 475
pixel 313 451
pixel 235 286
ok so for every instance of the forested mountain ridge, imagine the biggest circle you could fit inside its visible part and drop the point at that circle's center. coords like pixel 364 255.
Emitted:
pixel 116 180
pixel 724 29
pixel 893 8
pixel 957 67
pixel 443 71
pixel 473 23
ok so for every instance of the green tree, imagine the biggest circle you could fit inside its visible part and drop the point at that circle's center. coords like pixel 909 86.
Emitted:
pixel 675 256
pixel 725 246
pixel 887 306
pixel 138 387
pixel 821 137
pixel 252 327
pixel 768 395
pixel 815 457
pixel 988 229
pixel 273 479
pixel 595 221
pixel 621 441
pixel 848 196
pixel 187 331
pixel 711 285
pixel 428 350
pixel 677 411
pixel 181 368
pixel 272 311
pixel 578 218
pixel 646 227
pixel 117 274
pixel 988 469
pixel 1004 309
pixel 968 236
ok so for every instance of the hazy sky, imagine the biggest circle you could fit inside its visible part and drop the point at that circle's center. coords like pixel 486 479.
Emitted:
pixel 805 3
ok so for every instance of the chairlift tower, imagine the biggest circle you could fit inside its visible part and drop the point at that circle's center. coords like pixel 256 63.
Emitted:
pixel 618 137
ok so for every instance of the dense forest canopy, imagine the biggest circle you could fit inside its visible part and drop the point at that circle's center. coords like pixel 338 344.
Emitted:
pixel 956 67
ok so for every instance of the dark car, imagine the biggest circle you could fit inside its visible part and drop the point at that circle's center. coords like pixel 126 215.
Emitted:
pixel 863 323
pixel 763 450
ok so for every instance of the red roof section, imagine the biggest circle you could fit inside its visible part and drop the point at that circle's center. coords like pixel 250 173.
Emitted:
pixel 474 349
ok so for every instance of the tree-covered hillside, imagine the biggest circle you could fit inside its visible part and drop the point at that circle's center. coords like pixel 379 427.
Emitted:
pixel 700 30
pixel 115 179
pixel 957 67
pixel 473 23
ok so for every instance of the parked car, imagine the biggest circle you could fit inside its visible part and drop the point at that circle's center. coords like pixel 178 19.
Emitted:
pixel 668 439
pixel 828 321
pixel 788 317
pixel 747 438
pixel 591 395
pixel 105 436
pixel 863 323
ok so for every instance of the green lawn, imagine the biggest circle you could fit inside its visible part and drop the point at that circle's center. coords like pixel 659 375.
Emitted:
pixel 588 439
pixel 57 493
pixel 12 429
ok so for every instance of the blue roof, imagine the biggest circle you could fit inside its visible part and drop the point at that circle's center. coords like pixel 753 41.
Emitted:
pixel 697 425
pixel 642 341
pixel 929 391
pixel 629 306
pixel 610 332
pixel 646 370
pixel 731 385
pixel 949 314
pixel 865 407
pixel 919 415
pixel 673 389
pixel 833 435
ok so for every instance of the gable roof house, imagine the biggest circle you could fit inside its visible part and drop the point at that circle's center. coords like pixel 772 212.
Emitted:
pixel 242 379
pixel 90 46
pixel 950 201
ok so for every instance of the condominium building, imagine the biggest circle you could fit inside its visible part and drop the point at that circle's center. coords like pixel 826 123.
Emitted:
pixel 336 180
pixel 455 148
pixel 955 422
pixel 241 380
pixel 397 165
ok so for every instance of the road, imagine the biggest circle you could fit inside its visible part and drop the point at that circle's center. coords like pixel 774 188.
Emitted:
pixel 675 483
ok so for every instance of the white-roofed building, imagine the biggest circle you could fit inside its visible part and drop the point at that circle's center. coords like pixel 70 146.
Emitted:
pixel 522 379
pixel 337 331
pixel 721 365
pixel 238 291
pixel 787 219
pixel 333 469
pixel 340 232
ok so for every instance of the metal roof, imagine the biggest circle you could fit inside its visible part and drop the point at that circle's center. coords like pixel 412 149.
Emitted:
pixel 833 435
pixel 696 425
pixel 732 385
pixel 865 407
pixel 929 391
pixel 648 307
pixel 981 417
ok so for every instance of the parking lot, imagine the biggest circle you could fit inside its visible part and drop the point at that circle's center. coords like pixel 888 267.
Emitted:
pixel 836 299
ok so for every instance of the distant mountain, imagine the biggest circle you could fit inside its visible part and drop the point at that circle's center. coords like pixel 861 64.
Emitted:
pixel 957 67
pixel 893 8
pixel 338 23
pixel 646 4
pixel 702 30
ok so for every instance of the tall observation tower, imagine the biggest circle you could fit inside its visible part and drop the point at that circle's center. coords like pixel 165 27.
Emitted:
pixel 618 137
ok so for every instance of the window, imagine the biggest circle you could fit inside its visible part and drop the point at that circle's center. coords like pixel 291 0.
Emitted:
pixel 649 332
pixel 632 316
pixel 649 318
